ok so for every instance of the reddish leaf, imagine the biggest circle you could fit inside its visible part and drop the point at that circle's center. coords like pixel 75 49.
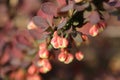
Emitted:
pixel 49 18
pixel 79 8
pixel 3 40
pixel 5 58
pixel 117 4
pixel 40 22
pixel 24 38
pixel 94 17
pixel 16 53
pixel 85 28
pixel 108 7
pixel 37 34
pixel 42 14
pixel 49 8
pixel 61 2
pixel 67 7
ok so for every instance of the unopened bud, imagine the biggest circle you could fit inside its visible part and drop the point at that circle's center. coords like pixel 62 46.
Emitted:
pixel 94 31
pixel 77 1
pixel 62 57
pixel 69 59
pixel 43 53
pixel 84 37
pixel 79 56
pixel 42 46
pixel 46 66
pixel 31 25
pixel 64 43
pixel 44 69
pixel 42 62
pixel 54 42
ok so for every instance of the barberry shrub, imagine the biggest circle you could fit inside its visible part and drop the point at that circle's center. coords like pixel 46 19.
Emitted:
pixel 63 25
pixel 57 31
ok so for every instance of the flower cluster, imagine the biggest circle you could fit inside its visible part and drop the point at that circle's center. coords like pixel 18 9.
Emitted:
pixel 42 65
pixel 62 43
pixel 58 42
pixel 56 32
pixel 64 27
pixel 67 57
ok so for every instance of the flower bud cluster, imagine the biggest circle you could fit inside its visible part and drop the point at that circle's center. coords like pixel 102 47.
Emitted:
pixel 66 57
pixel 62 43
pixel 43 63
pixel 43 51
pixel 43 66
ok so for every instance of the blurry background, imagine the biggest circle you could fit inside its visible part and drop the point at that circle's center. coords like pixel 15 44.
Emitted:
pixel 102 53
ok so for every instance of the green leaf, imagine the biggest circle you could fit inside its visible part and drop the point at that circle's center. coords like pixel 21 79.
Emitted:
pixel 77 38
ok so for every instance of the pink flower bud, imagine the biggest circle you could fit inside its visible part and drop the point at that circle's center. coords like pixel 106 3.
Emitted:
pixel 55 34
pixel 65 43
pixel 46 66
pixel 42 62
pixel 31 25
pixel 79 56
pixel 69 59
pixel 32 69
pixel 54 42
pixel 42 46
pixel 94 31
pixel 59 41
pixel 44 53
pixel 84 37
pixel 39 63
pixel 43 70
pixel 62 42
pixel 62 57
pixel 77 1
